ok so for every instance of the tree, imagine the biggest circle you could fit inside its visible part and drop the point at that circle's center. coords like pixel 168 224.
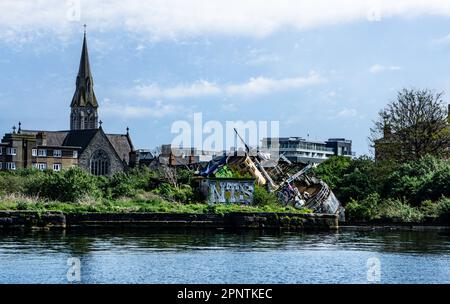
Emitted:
pixel 332 170
pixel 414 125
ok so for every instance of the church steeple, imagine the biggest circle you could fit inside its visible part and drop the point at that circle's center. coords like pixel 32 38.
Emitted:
pixel 84 103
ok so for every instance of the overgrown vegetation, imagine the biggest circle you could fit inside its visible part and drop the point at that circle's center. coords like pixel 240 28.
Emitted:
pixel 140 190
pixel 382 190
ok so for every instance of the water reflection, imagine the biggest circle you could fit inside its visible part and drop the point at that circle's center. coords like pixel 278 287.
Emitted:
pixel 78 242
pixel 211 256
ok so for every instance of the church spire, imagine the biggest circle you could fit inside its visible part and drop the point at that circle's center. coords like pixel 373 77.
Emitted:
pixel 84 103
pixel 84 93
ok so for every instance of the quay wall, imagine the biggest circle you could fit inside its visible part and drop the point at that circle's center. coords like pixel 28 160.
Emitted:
pixel 60 220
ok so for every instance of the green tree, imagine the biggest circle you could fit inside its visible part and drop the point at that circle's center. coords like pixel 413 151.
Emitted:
pixel 416 181
pixel 332 170
pixel 412 126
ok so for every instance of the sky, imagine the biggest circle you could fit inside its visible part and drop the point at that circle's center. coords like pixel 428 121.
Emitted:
pixel 322 68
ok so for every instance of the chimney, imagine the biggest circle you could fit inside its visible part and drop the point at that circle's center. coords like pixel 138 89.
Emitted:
pixel 41 139
pixel 386 130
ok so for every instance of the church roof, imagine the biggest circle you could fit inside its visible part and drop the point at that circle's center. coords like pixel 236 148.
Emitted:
pixel 79 138
pixel 122 144
pixel 84 93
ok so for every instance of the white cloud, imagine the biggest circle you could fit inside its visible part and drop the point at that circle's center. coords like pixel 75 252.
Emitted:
pixel 131 111
pixel 442 40
pixel 262 85
pixel 23 19
pixel 229 107
pixel 198 89
pixel 259 57
pixel 347 113
pixel 378 68
pixel 255 86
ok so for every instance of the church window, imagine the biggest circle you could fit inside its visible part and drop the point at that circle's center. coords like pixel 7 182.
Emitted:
pixel 100 163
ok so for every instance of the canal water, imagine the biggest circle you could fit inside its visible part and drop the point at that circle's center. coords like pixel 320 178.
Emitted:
pixel 193 256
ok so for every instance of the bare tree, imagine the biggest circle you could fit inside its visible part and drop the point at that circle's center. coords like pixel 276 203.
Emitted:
pixel 413 125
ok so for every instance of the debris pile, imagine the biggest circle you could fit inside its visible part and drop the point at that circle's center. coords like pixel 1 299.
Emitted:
pixel 231 178
pixel 295 184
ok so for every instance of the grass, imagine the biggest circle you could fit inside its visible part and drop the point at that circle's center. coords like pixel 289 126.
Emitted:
pixel 147 202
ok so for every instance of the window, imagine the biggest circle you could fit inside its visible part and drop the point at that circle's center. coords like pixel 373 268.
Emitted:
pixel 11 151
pixel 42 166
pixel 75 154
pixel 11 166
pixel 56 167
pixel 57 153
pixel 34 152
pixel 1 151
pixel 42 152
pixel 100 163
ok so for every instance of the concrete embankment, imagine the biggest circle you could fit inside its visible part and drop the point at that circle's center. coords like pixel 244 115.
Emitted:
pixel 60 220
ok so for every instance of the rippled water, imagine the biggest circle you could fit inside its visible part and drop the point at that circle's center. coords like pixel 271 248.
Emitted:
pixel 142 256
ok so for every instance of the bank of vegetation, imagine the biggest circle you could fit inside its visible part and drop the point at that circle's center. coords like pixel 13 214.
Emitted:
pixel 139 190
pixel 409 179
pixel 410 192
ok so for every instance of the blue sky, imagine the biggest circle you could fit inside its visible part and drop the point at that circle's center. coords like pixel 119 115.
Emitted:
pixel 320 68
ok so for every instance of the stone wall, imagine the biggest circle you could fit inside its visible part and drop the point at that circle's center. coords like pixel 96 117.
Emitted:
pixel 32 220
pixel 287 221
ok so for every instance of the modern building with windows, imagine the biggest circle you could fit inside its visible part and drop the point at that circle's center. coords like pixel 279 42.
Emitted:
pixel 300 150
pixel 85 144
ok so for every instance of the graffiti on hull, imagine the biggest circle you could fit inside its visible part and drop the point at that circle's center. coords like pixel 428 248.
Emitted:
pixel 228 190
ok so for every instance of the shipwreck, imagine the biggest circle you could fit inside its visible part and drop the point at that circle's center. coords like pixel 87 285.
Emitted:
pixel 294 184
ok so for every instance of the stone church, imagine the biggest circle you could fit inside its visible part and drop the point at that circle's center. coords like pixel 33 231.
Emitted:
pixel 85 144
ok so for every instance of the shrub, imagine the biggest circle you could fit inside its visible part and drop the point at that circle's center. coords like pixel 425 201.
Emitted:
pixel 355 185
pixel 365 210
pixel 428 178
pixel 11 183
pixel 142 178
pixel 333 169
pixel 261 197
pixel 436 186
pixel 444 209
pixel 184 176
pixel 429 208
pixel 121 185
pixel 22 205
pixel 67 186
pixel 398 211
pixel 182 194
